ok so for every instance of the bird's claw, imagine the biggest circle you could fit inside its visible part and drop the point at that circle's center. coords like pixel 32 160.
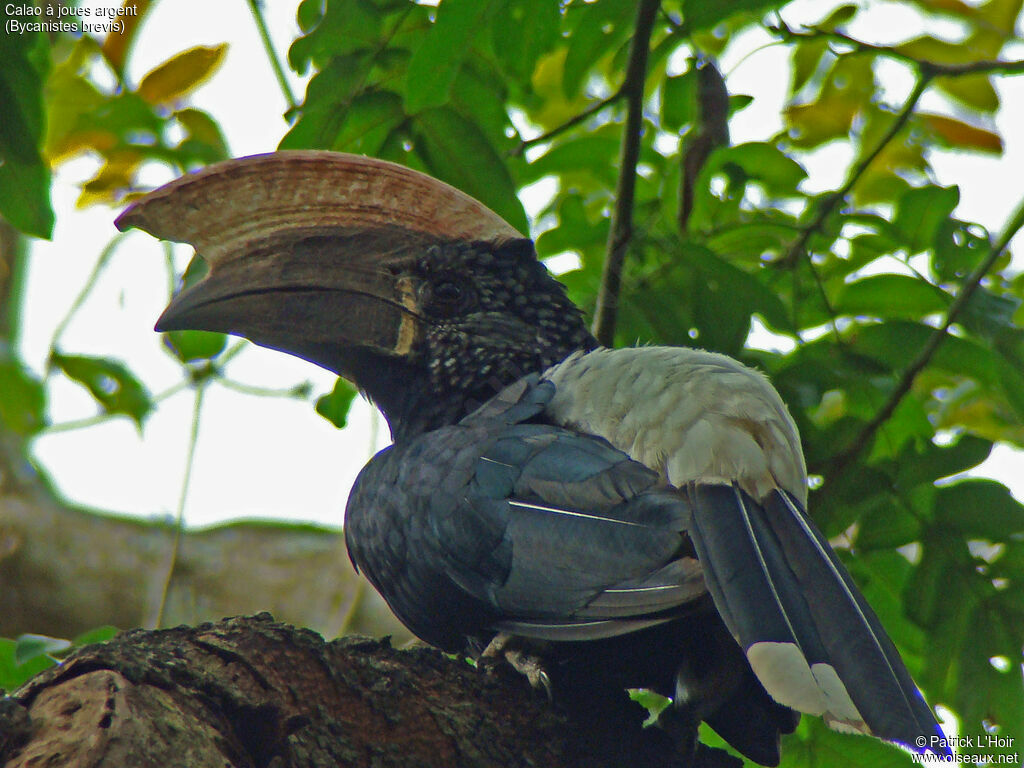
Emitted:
pixel 530 665
pixel 532 668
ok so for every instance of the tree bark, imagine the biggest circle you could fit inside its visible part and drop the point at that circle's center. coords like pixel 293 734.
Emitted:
pixel 252 693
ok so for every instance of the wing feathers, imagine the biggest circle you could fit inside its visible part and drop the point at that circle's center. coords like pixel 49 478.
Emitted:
pixel 809 635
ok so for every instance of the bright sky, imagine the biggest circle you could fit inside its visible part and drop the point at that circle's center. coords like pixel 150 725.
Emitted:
pixel 275 457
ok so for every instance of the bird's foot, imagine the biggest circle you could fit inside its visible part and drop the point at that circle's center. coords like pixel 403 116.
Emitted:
pixel 528 664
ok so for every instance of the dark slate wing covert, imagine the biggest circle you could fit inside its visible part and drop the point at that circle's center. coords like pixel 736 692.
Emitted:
pixel 521 527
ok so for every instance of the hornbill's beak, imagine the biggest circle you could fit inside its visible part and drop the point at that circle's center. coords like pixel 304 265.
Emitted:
pixel 306 249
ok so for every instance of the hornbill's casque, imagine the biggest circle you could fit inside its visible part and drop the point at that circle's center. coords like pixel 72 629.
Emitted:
pixel 634 517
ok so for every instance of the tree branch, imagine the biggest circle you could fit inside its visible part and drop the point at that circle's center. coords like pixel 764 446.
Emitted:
pixel 573 121
pixel 828 204
pixel 906 381
pixel 251 692
pixel 621 230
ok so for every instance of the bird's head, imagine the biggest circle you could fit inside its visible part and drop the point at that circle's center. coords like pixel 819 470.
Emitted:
pixel 422 296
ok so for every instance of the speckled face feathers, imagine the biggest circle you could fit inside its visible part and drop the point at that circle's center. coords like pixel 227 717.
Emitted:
pixel 491 315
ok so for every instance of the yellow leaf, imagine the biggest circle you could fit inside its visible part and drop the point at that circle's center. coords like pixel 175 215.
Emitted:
pixel 830 117
pixel 70 97
pixel 117 43
pixel 112 181
pixel 547 82
pixel 181 74
pixel 938 51
pixel 975 91
pixel 950 6
pixel 960 135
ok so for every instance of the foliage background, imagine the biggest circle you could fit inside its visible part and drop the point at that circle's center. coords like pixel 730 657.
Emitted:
pixel 898 340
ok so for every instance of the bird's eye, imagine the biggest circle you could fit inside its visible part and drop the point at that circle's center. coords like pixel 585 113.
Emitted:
pixel 447 296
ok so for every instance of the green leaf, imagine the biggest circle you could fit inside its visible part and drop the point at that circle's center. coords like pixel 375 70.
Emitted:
pixel 700 14
pixel 29 647
pixel 751 242
pixel 930 462
pixel 959 247
pixel 891 296
pixel 837 18
pixel 522 32
pixel 815 744
pixel 930 582
pixel 14 675
pixel 596 30
pixel 886 528
pixel 110 383
pixel 334 406
pixel 958 356
pixel 679 100
pixel 436 63
pixel 845 93
pixel 189 346
pixel 328 95
pixel 480 94
pixel 368 122
pixel 763 162
pixel 340 28
pixel 653 702
pixel 24 176
pixel 980 508
pixel 921 214
pixel 456 151
pixel 974 91
pixel 936 50
pixel 205 138
pixel 25 197
pixel 22 398
pixel 97 635
pixel 742 288
pixel 21 92
pixel 591 155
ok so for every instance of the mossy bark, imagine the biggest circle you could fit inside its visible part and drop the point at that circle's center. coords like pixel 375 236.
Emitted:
pixel 253 693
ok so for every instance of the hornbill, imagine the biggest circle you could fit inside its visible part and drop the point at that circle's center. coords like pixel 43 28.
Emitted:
pixel 628 517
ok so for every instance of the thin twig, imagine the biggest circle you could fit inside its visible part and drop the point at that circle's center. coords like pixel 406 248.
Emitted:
pixel 268 45
pixel 83 294
pixel 906 381
pixel 620 230
pixel 590 111
pixel 829 203
pixel 179 526
pixel 105 416
pixel 936 69
pixel 297 391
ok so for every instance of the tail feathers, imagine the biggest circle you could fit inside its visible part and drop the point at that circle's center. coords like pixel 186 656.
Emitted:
pixel 809 635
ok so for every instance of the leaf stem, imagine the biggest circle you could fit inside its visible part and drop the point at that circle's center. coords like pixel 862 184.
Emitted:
pixel 83 294
pixel 620 232
pixel 179 526
pixel 255 7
